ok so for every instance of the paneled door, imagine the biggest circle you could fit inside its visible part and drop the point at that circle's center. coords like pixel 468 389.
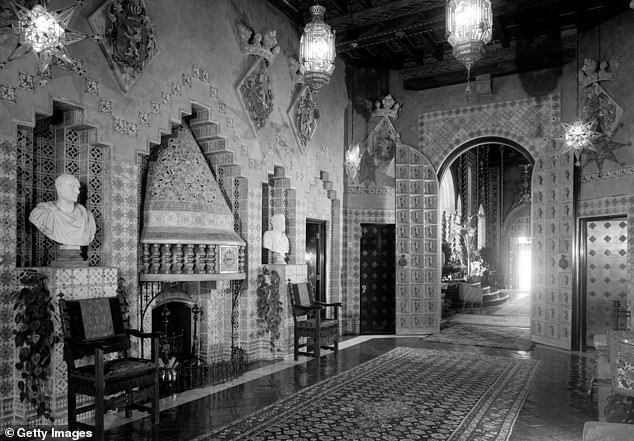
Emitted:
pixel 604 277
pixel 377 279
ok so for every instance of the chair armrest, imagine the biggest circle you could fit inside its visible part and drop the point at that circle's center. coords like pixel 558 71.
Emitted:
pixel 309 308
pixel 87 345
pixel 336 304
pixel 140 334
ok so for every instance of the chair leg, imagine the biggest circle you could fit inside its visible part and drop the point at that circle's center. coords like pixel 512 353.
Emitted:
pixel 72 407
pixel 336 345
pixel 155 400
pixel 317 348
pixel 128 407
pixel 99 394
pixel 99 412
pixel 296 345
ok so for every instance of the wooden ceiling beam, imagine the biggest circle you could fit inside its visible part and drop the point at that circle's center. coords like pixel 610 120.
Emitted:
pixel 417 55
pixel 433 47
pixel 501 31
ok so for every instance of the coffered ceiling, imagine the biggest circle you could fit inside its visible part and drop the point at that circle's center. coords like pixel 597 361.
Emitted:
pixel 409 35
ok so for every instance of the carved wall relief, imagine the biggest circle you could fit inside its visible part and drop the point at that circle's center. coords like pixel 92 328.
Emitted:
pixel 127 38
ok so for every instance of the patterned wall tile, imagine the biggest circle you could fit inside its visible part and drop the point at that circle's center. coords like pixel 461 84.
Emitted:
pixel 528 122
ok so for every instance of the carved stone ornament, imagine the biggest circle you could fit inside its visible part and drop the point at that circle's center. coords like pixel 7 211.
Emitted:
pixel 594 72
pixel 256 95
pixel 386 107
pixel 261 45
pixel 127 38
pixel 304 114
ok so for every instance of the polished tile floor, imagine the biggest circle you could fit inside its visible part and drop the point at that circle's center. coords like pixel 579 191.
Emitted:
pixel 556 408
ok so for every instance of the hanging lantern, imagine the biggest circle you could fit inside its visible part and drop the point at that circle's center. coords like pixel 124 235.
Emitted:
pixel 469 29
pixel 579 136
pixel 317 50
pixel 44 33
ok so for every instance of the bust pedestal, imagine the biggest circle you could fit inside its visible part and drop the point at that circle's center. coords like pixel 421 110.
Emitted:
pixel 297 274
pixel 68 256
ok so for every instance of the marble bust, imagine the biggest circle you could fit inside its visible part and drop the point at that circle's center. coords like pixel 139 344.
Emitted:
pixel 64 220
pixel 275 240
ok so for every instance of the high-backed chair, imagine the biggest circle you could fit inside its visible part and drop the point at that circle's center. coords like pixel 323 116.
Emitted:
pixel 96 327
pixel 321 333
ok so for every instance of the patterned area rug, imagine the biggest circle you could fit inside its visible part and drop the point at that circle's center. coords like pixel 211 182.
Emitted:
pixel 518 339
pixel 405 394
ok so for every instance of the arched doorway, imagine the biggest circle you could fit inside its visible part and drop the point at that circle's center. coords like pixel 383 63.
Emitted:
pixel 533 123
pixel 484 186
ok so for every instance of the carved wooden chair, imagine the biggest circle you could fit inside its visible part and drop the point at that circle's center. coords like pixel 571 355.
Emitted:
pixel 96 327
pixel 321 333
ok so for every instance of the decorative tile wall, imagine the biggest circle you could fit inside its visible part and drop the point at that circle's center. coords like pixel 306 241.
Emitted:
pixel 77 283
pixel 418 239
pixel 8 239
pixel 553 221
pixel 529 122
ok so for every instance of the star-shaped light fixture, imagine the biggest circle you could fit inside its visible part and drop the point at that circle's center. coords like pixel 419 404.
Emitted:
pixel 579 136
pixel 45 33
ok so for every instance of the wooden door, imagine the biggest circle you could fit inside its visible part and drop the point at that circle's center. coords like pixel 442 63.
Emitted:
pixel 377 279
pixel 316 256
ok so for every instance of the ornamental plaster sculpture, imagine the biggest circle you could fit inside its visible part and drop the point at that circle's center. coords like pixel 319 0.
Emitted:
pixel 65 221
pixel 275 239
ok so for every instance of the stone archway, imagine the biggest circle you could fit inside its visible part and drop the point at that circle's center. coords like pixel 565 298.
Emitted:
pixel 531 123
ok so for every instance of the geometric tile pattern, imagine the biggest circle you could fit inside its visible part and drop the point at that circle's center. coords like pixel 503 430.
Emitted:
pixel 418 242
pixel 8 230
pixel 528 122
pixel 553 222
pixel 44 153
pixel 123 229
pixel 606 274
pixel 493 212
pixel 75 283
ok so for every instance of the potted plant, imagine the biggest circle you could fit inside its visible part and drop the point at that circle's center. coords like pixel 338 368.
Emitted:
pixel 35 338
pixel 269 305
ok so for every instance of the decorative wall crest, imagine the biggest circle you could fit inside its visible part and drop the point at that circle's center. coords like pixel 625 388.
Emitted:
pixel 128 38
pixel 599 106
pixel 594 72
pixel 376 167
pixel 261 45
pixel 386 107
pixel 256 95
pixel 303 114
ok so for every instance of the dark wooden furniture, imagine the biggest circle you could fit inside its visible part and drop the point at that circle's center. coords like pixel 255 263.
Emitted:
pixel 96 327
pixel 321 332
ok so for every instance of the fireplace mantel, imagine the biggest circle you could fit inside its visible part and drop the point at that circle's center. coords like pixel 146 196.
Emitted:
pixel 191 277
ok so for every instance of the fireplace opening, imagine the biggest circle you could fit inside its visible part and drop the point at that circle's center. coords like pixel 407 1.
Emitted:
pixel 174 319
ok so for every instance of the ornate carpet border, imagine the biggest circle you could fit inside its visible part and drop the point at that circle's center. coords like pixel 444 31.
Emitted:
pixel 491 418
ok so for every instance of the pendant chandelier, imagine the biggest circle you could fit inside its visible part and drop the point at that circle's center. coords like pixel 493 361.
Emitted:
pixel 317 50
pixel 469 29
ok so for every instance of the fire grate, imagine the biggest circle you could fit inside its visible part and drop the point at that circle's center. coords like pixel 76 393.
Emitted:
pixel 200 374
